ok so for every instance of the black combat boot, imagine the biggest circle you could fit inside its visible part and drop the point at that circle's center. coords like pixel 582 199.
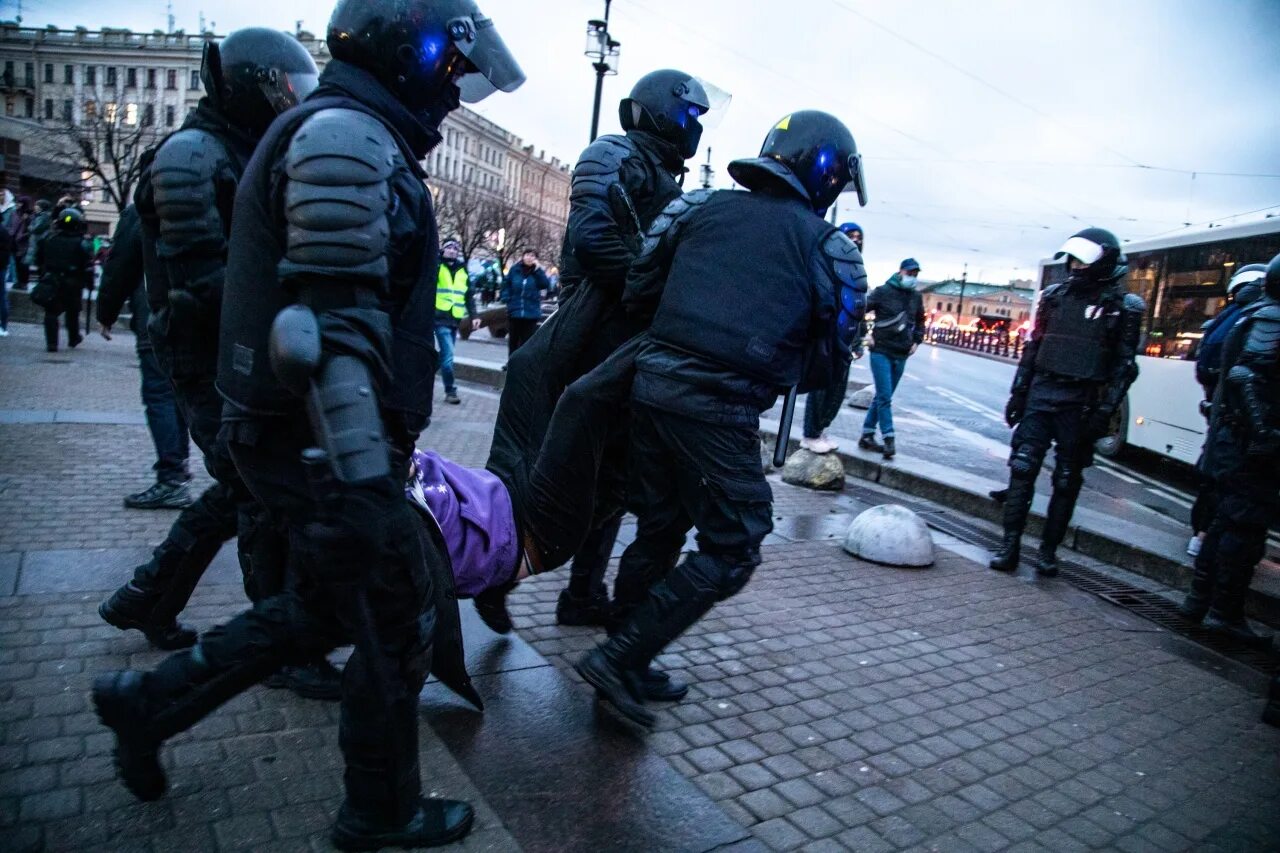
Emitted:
pixel 658 686
pixel 131 608
pixel 1062 505
pixel 120 699
pixel 1271 713
pixel 1047 561
pixel 438 822
pixel 1006 559
pixel 1226 616
pixel 591 610
pixel 317 680
pixel 890 447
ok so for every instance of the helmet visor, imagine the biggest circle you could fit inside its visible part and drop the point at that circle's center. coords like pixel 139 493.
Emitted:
pixel 490 65
pixel 286 89
pixel 712 101
pixel 1085 251
pixel 1244 277
pixel 858 178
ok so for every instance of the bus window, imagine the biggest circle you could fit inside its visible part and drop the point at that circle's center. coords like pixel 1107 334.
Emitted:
pixel 1192 290
pixel 1055 272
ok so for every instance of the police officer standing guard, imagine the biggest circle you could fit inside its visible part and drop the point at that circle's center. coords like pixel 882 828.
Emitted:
pixel 184 202
pixel 712 364
pixel 1242 458
pixel 1073 376
pixel 331 293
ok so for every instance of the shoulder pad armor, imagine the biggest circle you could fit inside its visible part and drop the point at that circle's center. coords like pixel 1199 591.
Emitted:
pixel 1267 311
pixel 1134 304
pixel 183 179
pixel 599 164
pixel 845 260
pixel 339 165
pixel 676 210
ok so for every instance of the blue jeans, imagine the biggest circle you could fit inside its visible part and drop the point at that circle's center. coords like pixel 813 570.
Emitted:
pixel 445 337
pixel 164 421
pixel 886 370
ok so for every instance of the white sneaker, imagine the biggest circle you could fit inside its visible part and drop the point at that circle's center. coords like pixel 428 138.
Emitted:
pixel 1193 547
pixel 819 445
pixel 4 333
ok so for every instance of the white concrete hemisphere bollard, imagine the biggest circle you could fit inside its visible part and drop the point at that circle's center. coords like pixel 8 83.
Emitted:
pixel 892 535
pixel 861 398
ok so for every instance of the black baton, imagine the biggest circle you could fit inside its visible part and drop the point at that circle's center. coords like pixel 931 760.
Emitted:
pixel 784 428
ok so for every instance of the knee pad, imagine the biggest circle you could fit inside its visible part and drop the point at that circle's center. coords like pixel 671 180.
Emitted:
pixel 1067 479
pixel 1025 462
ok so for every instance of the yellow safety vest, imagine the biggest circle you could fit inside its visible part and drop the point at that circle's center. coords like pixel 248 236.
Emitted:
pixel 451 292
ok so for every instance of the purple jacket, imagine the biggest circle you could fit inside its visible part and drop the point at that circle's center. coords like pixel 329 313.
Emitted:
pixel 474 513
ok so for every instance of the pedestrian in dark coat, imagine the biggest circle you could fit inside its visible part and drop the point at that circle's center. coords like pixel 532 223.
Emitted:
pixel 522 292
pixel 897 332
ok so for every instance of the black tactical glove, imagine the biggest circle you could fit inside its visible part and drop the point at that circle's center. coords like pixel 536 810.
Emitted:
pixel 1014 410
pixel 1099 423
pixel 1265 445
pixel 1206 410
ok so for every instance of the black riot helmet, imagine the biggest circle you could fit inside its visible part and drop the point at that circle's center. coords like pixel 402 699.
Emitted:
pixel 1272 282
pixel 1248 277
pixel 1099 251
pixel 667 103
pixel 255 74
pixel 810 151
pixel 71 221
pixel 430 54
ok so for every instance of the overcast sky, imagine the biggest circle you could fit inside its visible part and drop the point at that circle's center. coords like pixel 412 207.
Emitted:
pixel 992 129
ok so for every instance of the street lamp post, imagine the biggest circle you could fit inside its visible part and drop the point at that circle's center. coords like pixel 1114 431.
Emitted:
pixel 964 279
pixel 603 52
pixel 708 174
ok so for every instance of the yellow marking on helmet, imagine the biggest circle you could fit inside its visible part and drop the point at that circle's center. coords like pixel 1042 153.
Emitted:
pixel 785 124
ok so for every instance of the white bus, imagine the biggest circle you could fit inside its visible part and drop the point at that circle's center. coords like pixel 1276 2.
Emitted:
pixel 1183 280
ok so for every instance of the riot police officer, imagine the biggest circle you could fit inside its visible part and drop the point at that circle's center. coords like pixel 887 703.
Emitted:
pixel 184 202
pixel 65 259
pixel 1073 376
pixel 1241 457
pixel 330 293
pixel 620 183
pixel 711 365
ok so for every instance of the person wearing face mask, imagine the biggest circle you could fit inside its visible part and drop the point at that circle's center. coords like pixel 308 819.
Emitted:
pixel 822 406
pixel 895 336
pixel 1072 378
pixel 327 367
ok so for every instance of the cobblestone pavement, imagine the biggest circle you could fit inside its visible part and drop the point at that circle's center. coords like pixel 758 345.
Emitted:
pixel 836 705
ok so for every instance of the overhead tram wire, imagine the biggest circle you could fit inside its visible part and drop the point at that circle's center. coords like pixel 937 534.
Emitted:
pixel 973 184
pixel 1052 165
pixel 1210 221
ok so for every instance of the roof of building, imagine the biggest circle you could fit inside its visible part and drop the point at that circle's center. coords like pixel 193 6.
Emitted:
pixel 951 287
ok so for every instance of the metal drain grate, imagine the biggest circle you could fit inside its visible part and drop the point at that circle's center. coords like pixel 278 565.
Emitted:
pixel 1149 605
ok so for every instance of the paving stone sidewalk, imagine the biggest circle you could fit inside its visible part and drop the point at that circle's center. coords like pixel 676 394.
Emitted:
pixel 836 705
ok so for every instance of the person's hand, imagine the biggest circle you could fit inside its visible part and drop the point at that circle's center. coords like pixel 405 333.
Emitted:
pixel 104 329
pixel 1265 445
pixel 1014 410
pixel 857 354
pixel 913 349
pixel 475 324
pixel 1099 424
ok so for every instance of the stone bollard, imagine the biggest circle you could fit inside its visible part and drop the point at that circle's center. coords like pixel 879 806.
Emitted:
pixel 821 471
pixel 861 398
pixel 891 535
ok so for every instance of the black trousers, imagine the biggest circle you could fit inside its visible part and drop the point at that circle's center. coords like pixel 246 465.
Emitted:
pixel 225 509
pixel 66 309
pixel 1249 497
pixel 1065 430
pixel 314 614
pixel 519 331
pixel 687 474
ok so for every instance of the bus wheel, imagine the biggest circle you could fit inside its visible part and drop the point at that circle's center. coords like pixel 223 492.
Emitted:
pixel 1109 446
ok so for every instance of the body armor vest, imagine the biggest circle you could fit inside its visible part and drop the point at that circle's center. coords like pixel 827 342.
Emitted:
pixel 1081 328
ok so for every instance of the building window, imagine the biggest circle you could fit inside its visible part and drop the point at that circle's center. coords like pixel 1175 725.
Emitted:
pixel 131 114
pixel 48 109
pixel 48 72
pixel 195 80
pixel 151 78
pixel 149 115
pixel 948 307
pixel 66 110
pixel 131 78
pixel 31 107
pixel 68 74
pixel 169 116
pixel 171 79
pixel 110 113
pixel 8 73
pixel 111 75
pixel 30 74
pixel 90 110
pixel 91 75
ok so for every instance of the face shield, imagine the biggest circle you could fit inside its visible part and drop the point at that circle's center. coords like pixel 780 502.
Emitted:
pixel 490 67
pixel 1244 277
pixel 857 178
pixel 284 90
pixel 1085 251
pixel 712 101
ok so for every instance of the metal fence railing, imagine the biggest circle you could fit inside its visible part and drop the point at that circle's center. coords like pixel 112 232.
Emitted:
pixel 995 343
